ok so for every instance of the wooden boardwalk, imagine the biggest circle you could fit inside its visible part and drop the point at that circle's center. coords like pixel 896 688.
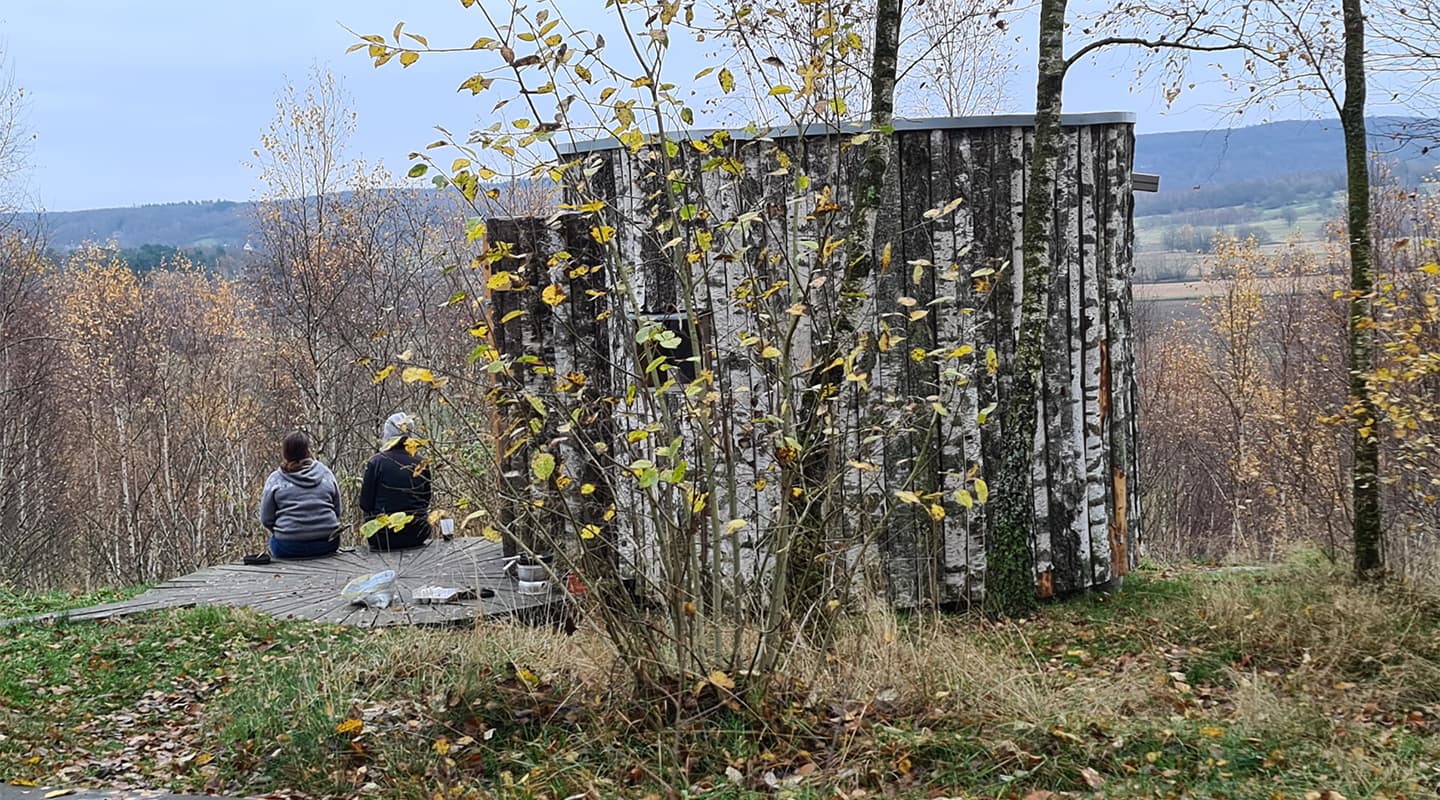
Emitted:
pixel 310 589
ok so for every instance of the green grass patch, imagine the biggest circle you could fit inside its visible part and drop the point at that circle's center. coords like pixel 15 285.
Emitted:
pixel 23 604
pixel 1186 683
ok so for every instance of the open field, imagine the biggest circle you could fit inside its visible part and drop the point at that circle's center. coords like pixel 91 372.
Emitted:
pixel 1196 290
pixel 1304 223
pixel 1277 682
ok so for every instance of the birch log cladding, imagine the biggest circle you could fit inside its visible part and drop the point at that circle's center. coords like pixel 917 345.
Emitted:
pixel 710 241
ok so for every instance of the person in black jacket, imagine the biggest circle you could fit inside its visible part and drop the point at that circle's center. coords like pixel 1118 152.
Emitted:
pixel 397 480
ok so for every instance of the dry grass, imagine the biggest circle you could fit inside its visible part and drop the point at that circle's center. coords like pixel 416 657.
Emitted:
pixel 1257 684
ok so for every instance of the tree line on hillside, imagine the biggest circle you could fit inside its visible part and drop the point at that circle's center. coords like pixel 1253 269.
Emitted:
pixel 1270 192
pixel 1191 239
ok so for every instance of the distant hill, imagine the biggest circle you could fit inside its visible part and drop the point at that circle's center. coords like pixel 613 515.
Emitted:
pixel 220 223
pixel 1267 166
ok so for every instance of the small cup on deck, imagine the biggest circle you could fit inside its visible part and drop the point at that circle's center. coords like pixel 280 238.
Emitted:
pixel 447 529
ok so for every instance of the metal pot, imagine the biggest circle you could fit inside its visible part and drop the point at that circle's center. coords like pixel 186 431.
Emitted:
pixel 531 572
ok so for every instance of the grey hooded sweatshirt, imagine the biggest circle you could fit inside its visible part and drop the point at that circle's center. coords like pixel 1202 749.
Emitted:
pixel 301 506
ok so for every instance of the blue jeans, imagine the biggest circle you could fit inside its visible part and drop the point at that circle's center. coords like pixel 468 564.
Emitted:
pixel 290 548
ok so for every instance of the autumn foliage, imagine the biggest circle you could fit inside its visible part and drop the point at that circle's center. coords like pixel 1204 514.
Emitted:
pixel 1243 397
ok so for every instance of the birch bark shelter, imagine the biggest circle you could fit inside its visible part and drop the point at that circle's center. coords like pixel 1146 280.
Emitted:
pixel 937 339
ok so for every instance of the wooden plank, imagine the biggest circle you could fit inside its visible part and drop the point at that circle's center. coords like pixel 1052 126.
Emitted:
pixel 917 376
pixel 310 590
pixel 1070 532
pixel 899 540
pixel 955 258
pixel 1095 454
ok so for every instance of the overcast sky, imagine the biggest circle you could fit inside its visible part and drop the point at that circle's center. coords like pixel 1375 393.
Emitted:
pixel 163 100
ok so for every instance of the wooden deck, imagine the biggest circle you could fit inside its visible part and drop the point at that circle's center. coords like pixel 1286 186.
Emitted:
pixel 310 589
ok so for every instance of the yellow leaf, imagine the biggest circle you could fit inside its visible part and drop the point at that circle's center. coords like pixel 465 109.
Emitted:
pixel 1212 731
pixel 721 680
pixel 414 374
pixel 962 496
pixel 982 490
pixel 633 139
pixel 589 531
pixel 770 351
pixel 490 533
pixel 442 746
pixel 937 511
pixel 602 233
pixel 499 282
pixel 59 792
pixel 384 373
pixel 350 726
pixel 733 526
pixel 553 295
pixel 409 57
pixel 992 361
pixel 542 466
pixel 587 489
pixel 907 497
pixel 779 89
pixel 727 81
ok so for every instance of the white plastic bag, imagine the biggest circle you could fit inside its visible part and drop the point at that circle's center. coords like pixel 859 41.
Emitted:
pixel 376 590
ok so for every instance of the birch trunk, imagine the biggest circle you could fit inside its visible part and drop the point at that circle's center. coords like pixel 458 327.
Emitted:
pixel 1010 584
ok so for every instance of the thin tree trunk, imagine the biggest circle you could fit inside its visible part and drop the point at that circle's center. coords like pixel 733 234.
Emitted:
pixel 804 581
pixel 1369 564
pixel 1010 582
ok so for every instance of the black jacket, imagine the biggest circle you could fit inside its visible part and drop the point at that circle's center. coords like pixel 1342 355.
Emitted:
pixel 395 481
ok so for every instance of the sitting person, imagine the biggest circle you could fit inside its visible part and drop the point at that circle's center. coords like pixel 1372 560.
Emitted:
pixel 397 480
pixel 300 504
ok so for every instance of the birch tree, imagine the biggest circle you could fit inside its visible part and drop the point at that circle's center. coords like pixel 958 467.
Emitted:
pixel 1365 480
pixel 1316 52
pixel 950 56
pixel 1010 584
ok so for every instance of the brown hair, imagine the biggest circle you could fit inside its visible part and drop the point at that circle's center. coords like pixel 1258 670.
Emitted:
pixel 296 451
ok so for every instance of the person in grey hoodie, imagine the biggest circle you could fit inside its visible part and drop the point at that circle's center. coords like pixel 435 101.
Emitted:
pixel 300 504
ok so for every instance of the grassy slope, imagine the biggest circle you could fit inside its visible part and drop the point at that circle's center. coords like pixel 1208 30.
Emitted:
pixel 1263 684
